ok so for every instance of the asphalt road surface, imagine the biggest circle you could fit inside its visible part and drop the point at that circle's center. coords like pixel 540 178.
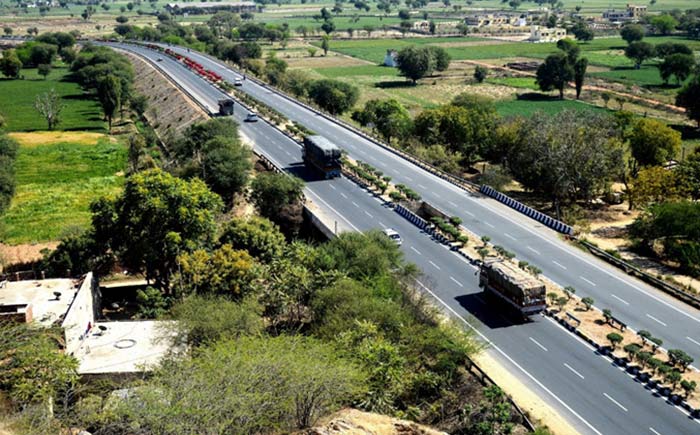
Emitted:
pixel 595 396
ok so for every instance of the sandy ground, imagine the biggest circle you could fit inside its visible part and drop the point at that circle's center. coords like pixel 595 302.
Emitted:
pixel 22 253
pixel 353 422
pixel 54 137
pixel 539 411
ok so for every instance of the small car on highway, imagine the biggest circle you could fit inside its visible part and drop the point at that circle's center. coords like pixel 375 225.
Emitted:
pixel 251 117
pixel 237 82
pixel 393 235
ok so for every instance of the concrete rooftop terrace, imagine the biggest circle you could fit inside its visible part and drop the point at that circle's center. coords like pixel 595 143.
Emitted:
pixel 46 309
pixel 125 347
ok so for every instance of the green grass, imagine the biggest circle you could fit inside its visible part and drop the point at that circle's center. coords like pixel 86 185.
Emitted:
pixel 549 107
pixel 55 185
pixel 80 112
pixel 360 70
pixel 515 82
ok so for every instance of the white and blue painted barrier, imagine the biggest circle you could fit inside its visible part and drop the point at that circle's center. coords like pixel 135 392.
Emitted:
pixel 528 211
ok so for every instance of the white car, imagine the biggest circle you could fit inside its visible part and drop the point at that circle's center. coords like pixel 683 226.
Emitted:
pixel 393 235
pixel 251 117
pixel 238 82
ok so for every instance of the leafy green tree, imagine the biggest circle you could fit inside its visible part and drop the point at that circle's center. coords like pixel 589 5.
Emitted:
pixel 678 65
pixel 614 338
pixel 257 235
pixel 278 197
pixel 689 99
pixel 582 31
pixel 224 271
pixel 155 219
pixel 632 33
pixel 334 96
pixel 416 62
pixel 44 70
pixel 655 184
pixel 639 51
pixel 652 142
pixel 33 370
pixel 325 44
pixel 10 65
pixel 109 94
pixel 441 56
pixel 226 166
pixel 480 73
pixel 151 303
pixel 271 384
pixel 607 315
pixel 40 53
pixel 668 48
pixel 663 24
pixel 555 73
pixel 363 255
pixel 388 117
pixel 680 358
pixel 632 350
pixel 579 74
pixel 274 70
pixel 202 320
pixel 688 387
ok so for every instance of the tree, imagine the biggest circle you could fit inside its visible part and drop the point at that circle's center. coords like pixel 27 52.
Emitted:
pixel 663 24
pixel 588 302
pixel 49 106
pixel 688 387
pixel 306 378
pixel 333 96
pixel 224 271
pixel 121 19
pixel 571 49
pixel 154 220
pixel 109 93
pixel 632 350
pixel 8 154
pixel 10 65
pixel 689 99
pixel 632 33
pixel 388 117
pixel 151 303
pixel 278 198
pixel 614 338
pixel 579 74
pixel 655 184
pixel 569 291
pixel 414 62
pixel 678 65
pixel 582 31
pixel 607 315
pixel 257 235
pixel 7 30
pixel 652 142
pixel 678 357
pixel 44 70
pixel 441 57
pixel 480 73
pixel 639 51
pixel 668 48
pixel 555 73
pixel 325 44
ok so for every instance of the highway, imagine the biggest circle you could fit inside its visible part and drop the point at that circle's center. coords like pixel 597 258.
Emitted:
pixel 637 304
pixel 584 387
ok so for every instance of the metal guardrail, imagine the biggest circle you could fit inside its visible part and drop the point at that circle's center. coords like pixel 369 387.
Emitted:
pixel 633 270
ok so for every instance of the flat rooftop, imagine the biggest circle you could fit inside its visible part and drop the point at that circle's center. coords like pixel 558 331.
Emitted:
pixel 125 347
pixel 40 295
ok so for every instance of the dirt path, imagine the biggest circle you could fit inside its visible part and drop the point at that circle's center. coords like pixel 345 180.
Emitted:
pixel 649 101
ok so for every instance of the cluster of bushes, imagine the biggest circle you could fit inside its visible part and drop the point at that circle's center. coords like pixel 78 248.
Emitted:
pixel 450 228
pixel 39 53
pixel 409 193
pixel 503 252
pixel 370 174
pixel 8 154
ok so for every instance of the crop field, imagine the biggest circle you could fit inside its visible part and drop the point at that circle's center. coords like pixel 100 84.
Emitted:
pixel 550 107
pixel 79 113
pixel 57 181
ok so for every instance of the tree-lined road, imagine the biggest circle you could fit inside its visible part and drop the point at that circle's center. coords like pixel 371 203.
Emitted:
pixel 595 396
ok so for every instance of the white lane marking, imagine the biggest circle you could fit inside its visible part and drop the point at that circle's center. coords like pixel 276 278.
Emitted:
pixel 538 343
pixel 331 186
pixel 408 178
pixel 355 204
pixel 693 341
pixel 368 214
pixel 560 265
pixel 654 431
pixel 421 186
pixel 615 401
pixel 434 265
pixel 587 280
pixel 469 213
pixel 452 204
pixel 656 320
pixel 288 153
pixel 457 282
pixel 534 250
pixel 575 372
pixel 620 299
pixel 509 236
pixel 491 225
pixel 344 195
pixel 416 251
pixel 381 224
pixel 334 210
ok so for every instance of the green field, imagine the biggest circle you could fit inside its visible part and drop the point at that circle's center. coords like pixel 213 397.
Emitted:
pixel 55 185
pixel 550 107
pixel 360 70
pixel 80 112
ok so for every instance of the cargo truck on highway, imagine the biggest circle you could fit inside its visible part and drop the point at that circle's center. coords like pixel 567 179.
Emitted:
pixel 322 154
pixel 522 291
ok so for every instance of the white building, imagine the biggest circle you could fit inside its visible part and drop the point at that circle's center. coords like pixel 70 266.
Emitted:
pixel 546 34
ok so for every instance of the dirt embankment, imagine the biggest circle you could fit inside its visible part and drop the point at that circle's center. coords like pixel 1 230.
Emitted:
pixel 169 111
pixel 354 422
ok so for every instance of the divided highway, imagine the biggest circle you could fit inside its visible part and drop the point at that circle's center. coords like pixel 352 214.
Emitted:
pixel 566 372
pixel 632 301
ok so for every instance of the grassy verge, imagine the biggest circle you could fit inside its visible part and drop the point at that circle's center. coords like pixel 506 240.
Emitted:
pixel 79 113
pixel 56 183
